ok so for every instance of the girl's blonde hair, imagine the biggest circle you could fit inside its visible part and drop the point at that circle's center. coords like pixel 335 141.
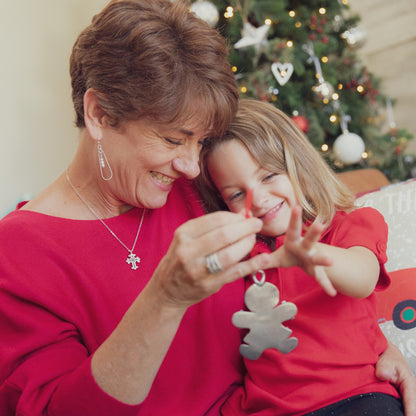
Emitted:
pixel 277 144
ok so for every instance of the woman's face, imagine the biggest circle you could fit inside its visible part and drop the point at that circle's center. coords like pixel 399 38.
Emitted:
pixel 147 157
pixel 234 171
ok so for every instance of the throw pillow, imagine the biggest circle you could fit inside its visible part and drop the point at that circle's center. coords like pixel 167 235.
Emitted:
pixel 397 304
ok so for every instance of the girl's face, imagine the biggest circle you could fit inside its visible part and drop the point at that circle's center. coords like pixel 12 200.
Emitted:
pixel 234 171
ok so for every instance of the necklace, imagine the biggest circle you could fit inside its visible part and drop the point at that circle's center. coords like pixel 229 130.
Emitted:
pixel 132 259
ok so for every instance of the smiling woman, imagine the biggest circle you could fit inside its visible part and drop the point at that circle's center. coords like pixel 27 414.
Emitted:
pixel 115 251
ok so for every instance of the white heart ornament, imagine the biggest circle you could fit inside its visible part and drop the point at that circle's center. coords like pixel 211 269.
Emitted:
pixel 282 72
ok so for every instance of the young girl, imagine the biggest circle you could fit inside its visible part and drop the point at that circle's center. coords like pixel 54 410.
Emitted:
pixel 331 370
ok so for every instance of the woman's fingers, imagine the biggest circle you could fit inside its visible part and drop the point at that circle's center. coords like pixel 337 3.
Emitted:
pixel 231 236
pixel 205 254
pixel 197 227
pixel 246 268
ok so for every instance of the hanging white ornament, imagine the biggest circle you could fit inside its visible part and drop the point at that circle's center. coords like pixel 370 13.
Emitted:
pixel 355 36
pixel 282 72
pixel 206 11
pixel 348 148
pixel 253 36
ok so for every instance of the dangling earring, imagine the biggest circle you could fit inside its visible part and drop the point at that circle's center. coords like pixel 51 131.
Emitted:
pixel 103 162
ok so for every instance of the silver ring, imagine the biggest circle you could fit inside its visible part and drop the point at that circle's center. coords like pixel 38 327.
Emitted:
pixel 213 263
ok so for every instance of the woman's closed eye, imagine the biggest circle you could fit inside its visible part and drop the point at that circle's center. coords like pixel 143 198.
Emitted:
pixel 177 142
pixel 172 141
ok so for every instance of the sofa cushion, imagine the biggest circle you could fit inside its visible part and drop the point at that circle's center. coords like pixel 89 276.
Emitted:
pixel 397 304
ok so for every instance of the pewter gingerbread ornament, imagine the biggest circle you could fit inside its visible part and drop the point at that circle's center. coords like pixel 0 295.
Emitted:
pixel 264 320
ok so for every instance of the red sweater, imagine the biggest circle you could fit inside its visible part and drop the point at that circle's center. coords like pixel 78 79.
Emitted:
pixel 64 286
pixel 339 340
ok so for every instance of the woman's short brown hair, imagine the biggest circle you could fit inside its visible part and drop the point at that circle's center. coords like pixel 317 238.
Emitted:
pixel 153 59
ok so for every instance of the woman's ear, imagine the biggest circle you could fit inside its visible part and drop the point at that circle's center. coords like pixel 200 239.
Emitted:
pixel 94 115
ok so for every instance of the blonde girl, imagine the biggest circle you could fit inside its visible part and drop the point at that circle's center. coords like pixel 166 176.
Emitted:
pixel 309 221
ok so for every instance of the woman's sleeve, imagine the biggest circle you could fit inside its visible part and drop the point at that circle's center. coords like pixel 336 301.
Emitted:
pixel 44 367
pixel 45 364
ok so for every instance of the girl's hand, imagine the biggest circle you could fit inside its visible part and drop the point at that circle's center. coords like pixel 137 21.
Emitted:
pixel 302 251
pixel 182 278
pixel 393 367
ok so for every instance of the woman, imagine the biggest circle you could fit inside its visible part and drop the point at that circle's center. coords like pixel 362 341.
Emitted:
pixel 105 308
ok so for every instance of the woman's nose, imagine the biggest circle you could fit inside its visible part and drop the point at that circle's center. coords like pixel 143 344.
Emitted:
pixel 187 165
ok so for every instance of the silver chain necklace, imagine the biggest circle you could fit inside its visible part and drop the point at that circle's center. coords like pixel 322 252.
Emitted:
pixel 132 259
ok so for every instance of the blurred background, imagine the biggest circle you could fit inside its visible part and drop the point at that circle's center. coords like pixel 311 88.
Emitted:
pixel 38 136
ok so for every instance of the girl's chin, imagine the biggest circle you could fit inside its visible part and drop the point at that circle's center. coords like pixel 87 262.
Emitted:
pixel 273 231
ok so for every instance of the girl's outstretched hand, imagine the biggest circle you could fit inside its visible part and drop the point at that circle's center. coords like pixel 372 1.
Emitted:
pixel 298 250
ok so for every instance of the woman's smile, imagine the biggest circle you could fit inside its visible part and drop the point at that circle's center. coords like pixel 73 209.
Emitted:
pixel 164 180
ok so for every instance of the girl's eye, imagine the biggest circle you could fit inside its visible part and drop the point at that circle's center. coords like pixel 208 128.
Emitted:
pixel 172 141
pixel 269 176
pixel 234 196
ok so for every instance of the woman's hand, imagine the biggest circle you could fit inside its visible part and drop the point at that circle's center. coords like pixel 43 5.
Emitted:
pixel 393 367
pixel 182 276
pixel 301 251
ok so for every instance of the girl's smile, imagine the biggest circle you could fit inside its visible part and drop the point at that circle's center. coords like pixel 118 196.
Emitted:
pixel 272 213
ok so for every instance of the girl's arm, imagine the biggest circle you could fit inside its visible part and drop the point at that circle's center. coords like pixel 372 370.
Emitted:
pixel 353 271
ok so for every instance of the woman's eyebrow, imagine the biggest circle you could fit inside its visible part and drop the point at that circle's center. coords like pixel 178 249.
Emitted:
pixel 187 132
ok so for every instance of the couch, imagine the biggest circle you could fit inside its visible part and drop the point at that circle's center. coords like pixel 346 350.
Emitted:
pixel 397 203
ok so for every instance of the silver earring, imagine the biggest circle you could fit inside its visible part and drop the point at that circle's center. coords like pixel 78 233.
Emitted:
pixel 103 163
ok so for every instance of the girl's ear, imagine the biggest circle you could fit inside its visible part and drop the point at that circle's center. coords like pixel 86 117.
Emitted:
pixel 94 115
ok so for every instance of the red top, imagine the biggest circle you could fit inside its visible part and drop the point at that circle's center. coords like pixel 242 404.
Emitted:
pixel 339 338
pixel 65 285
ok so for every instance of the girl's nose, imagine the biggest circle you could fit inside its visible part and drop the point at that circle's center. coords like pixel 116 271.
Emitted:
pixel 259 198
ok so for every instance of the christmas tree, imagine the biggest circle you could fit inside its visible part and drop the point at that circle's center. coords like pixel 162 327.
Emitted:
pixel 304 58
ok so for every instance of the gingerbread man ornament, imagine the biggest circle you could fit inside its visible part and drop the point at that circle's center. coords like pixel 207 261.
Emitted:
pixel 264 320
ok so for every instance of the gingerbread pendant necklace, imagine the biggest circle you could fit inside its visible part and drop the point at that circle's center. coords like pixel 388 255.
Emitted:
pixel 264 316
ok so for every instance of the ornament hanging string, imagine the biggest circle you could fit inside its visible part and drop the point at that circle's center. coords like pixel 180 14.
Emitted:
pixel 308 48
pixel 390 116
